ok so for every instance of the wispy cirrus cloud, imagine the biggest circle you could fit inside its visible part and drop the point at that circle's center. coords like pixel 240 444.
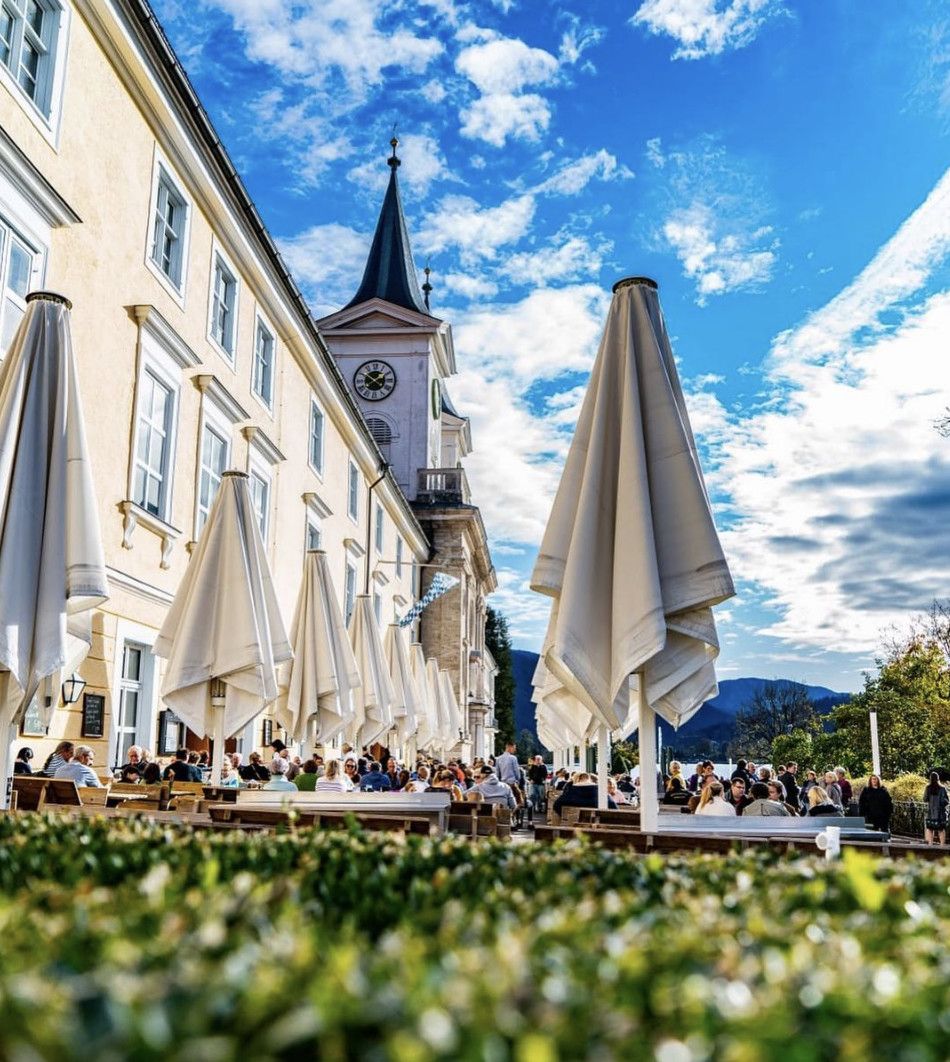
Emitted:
pixel 706 27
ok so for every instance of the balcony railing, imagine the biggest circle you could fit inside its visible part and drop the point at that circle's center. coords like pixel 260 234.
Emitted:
pixel 443 486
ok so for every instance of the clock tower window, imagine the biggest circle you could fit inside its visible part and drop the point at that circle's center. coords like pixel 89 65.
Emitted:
pixel 382 433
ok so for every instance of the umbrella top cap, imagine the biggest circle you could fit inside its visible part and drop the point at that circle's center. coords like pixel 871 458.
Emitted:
pixel 49 296
pixel 627 282
pixel 236 473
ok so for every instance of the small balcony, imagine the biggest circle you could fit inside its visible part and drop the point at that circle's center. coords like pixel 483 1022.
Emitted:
pixel 442 486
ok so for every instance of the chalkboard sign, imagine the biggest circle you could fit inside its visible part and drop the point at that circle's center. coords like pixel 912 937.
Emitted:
pixel 93 715
pixel 32 724
pixel 267 732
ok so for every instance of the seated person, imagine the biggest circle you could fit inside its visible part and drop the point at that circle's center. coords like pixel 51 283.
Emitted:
pixel 494 792
pixel 79 768
pixel 306 781
pixel 333 779
pixel 133 766
pixel 180 770
pixel 819 804
pixel 255 769
pixel 229 776
pixel 21 765
pixel 374 781
pixel 279 779
pixel 152 775
pixel 763 803
pixel 581 793
pixel 446 779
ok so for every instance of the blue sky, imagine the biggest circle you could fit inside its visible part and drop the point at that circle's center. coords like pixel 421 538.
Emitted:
pixel 779 168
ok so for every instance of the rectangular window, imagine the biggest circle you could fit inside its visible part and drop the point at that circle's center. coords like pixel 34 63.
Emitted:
pixel 16 272
pixel 130 700
pixel 349 592
pixel 378 607
pixel 353 492
pixel 260 495
pixel 28 33
pixel 152 446
pixel 314 533
pixel 398 558
pixel 223 306
pixel 264 364
pixel 317 421
pixel 214 461
pixel 380 518
pixel 168 230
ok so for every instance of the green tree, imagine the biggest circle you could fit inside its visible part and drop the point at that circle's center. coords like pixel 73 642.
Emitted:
pixel 779 708
pixel 798 747
pixel 623 756
pixel 911 695
pixel 498 641
pixel 526 746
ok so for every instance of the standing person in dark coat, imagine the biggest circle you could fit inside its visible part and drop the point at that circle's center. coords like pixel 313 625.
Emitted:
pixel 875 804
pixel 791 786
pixel 581 793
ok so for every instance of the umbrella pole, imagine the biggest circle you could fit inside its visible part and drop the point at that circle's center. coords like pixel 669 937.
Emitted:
pixel 7 738
pixel 646 732
pixel 603 765
pixel 217 729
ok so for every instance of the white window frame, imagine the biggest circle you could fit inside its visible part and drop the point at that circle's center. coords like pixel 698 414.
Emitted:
pixel 353 491
pixel 261 322
pixel 216 421
pixel 258 468
pixel 316 407
pixel 313 524
pixel 150 678
pixel 378 607
pixel 218 255
pixel 164 368
pixel 160 165
pixel 46 116
pixel 379 527
pixel 349 590
pixel 10 231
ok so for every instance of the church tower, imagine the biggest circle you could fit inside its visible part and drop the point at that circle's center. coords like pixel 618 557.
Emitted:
pixel 393 353
pixel 396 356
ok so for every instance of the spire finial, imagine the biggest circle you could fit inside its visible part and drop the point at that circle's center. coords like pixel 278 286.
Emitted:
pixel 427 287
pixel 393 160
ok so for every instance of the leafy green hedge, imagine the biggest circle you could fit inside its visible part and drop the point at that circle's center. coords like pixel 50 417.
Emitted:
pixel 137 941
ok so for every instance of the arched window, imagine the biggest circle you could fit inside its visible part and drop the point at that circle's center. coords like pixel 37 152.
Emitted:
pixel 382 432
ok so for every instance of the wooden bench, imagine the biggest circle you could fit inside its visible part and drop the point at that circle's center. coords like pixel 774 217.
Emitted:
pixel 479 819
pixel 281 818
pixel 34 793
pixel 120 791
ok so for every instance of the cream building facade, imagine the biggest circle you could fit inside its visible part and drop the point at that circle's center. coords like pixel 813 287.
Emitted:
pixel 196 353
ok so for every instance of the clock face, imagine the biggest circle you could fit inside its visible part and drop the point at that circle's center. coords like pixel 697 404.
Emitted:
pixel 374 380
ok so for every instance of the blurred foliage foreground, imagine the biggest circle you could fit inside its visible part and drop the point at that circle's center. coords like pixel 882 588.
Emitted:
pixel 131 940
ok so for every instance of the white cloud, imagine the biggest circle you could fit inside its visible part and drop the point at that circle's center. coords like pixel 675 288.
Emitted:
pixel 838 483
pixel 719 261
pixel 707 27
pixel 433 91
pixel 468 286
pixel 575 175
pixel 565 258
pixel 713 210
pixel 422 163
pixel 327 262
pixel 497 117
pixel 320 41
pixel 477 232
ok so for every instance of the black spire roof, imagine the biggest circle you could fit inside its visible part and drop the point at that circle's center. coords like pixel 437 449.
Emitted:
pixel 389 272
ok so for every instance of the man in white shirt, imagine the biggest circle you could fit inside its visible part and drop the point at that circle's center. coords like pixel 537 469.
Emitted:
pixel 506 766
pixel 79 769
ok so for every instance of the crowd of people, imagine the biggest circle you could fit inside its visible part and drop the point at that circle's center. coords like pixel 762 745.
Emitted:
pixel 748 790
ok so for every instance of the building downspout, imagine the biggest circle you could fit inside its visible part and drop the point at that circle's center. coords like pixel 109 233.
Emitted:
pixel 383 470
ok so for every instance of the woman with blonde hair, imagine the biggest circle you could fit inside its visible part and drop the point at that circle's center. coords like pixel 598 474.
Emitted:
pixel 819 803
pixel 712 801
pixel 333 780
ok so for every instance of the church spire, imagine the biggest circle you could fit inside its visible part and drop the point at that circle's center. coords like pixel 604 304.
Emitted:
pixel 390 273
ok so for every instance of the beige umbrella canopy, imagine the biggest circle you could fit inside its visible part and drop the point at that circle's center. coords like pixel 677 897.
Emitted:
pixel 630 556
pixel 438 712
pixel 224 626
pixel 453 714
pixel 52 569
pixel 373 701
pixel 317 703
pixel 426 711
pixel 405 704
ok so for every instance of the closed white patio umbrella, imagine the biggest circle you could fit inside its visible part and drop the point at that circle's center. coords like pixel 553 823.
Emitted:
pixel 52 569
pixel 317 702
pixel 373 700
pixel 630 555
pixel 426 712
pixel 438 722
pixel 223 635
pixel 453 714
pixel 405 703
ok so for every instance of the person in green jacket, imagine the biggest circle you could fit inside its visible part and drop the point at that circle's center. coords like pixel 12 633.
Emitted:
pixel 307 779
